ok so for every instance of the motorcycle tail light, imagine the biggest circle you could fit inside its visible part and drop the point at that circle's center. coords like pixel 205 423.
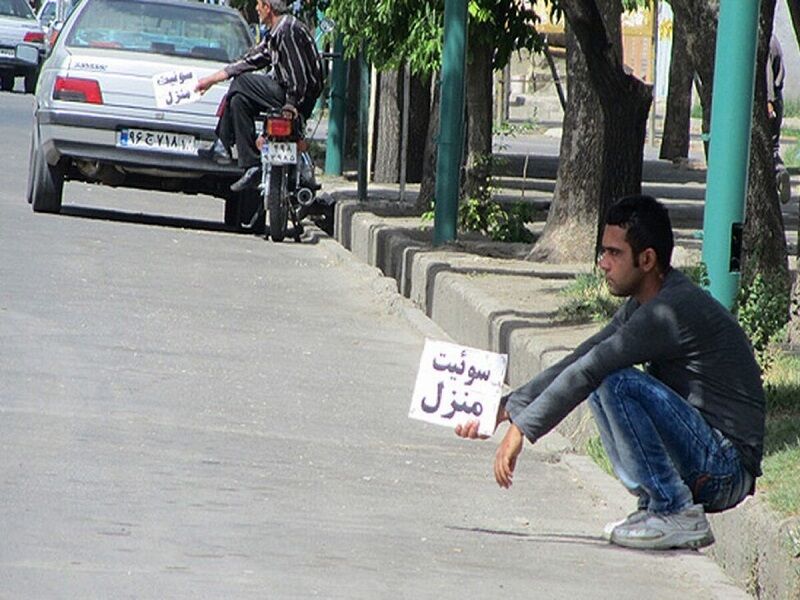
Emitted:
pixel 279 127
pixel 75 89
pixel 34 36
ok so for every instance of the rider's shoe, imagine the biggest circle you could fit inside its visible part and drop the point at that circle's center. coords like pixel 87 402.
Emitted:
pixel 784 186
pixel 216 152
pixel 250 179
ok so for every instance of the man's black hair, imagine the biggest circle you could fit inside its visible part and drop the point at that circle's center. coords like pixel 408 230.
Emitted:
pixel 646 224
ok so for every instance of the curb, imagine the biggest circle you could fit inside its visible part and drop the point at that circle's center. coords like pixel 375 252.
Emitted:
pixel 506 306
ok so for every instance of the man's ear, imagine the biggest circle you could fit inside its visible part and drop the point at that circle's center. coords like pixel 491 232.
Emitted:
pixel 648 261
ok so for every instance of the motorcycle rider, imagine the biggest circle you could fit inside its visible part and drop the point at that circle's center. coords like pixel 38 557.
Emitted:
pixel 293 84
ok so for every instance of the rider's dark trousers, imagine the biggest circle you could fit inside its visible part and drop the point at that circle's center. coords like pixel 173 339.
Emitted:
pixel 248 95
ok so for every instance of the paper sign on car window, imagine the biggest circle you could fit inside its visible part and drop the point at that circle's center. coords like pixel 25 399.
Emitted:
pixel 173 88
pixel 456 384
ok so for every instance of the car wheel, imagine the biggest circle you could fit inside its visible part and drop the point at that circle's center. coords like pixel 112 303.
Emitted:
pixel 47 184
pixel 30 81
pixel 7 82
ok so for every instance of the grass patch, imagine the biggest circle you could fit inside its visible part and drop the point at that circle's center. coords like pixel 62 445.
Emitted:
pixel 596 451
pixel 781 480
pixel 588 299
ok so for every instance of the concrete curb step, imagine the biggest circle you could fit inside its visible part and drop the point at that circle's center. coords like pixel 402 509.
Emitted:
pixel 484 294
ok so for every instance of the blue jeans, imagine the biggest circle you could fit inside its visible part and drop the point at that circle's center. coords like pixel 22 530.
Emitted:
pixel 662 448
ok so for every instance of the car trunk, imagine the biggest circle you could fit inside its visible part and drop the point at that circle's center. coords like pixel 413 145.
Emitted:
pixel 127 83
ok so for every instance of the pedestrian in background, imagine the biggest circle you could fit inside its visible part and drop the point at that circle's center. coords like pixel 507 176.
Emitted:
pixel 775 77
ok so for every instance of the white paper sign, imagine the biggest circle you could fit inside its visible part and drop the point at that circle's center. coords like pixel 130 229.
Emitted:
pixel 456 384
pixel 173 88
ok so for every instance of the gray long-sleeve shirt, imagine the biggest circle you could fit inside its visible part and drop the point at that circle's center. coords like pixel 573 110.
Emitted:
pixel 687 340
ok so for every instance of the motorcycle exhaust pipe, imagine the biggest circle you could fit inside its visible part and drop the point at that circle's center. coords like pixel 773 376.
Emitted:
pixel 305 196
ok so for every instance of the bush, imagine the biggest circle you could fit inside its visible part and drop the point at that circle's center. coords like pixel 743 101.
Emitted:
pixel 763 312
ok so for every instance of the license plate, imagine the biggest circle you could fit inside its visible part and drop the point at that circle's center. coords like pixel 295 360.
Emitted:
pixel 162 141
pixel 8 52
pixel 280 153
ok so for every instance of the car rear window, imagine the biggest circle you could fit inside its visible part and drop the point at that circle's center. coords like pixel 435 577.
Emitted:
pixel 161 28
pixel 16 8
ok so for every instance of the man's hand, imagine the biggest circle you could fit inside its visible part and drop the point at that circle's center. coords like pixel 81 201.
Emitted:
pixel 470 430
pixel 505 459
pixel 204 83
pixel 771 110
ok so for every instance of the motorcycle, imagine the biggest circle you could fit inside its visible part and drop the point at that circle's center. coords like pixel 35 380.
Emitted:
pixel 288 185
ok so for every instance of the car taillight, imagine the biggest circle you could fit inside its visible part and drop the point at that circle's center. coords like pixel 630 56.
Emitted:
pixel 279 127
pixel 77 90
pixel 34 37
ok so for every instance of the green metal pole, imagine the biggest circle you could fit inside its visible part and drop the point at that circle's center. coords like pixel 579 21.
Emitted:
pixel 334 145
pixel 451 134
pixel 363 126
pixel 729 145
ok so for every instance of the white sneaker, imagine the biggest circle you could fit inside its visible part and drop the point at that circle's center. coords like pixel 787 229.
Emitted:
pixel 634 517
pixel 688 528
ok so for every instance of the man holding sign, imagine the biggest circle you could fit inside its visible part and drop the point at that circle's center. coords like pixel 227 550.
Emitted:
pixel 686 435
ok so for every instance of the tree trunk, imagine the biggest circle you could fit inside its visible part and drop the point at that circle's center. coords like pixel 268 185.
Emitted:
pixel 764 234
pixel 625 103
pixel 418 118
pixel 794 11
pixel 764 245
pixel 427 189
pixel 675 143
pixel 569 232
pixel 699 21
pixel 479 119
pixel 351 109
pixel 388 132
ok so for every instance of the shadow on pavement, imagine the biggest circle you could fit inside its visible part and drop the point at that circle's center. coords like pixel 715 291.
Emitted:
pixel 103 214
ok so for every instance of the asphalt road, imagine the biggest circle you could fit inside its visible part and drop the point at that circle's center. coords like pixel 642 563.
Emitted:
pixel 186 412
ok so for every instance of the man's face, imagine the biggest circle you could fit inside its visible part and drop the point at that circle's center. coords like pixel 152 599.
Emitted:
pixel 264 11
pixel 616 261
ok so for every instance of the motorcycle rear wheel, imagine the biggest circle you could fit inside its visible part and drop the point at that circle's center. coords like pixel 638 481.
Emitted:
pixel 276 204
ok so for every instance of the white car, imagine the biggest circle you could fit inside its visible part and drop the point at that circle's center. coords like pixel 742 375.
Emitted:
pixel 21 44
pixel 116 103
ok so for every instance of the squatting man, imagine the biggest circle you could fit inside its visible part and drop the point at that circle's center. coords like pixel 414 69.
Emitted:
pixel 684 435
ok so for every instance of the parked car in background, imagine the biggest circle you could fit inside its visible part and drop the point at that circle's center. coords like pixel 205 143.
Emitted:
pixel 115 104
pixel 21 44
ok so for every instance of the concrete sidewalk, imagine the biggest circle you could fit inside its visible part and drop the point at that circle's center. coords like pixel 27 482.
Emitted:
pixel 484 294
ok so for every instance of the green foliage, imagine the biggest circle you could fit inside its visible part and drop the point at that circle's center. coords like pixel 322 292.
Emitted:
pixel 393 32
pixel 499 223
pixel 509 129
pixel 588 299
pixel 781 480
pixel 484 215
pixel 763 312
pixel 596 451
pixel 698 274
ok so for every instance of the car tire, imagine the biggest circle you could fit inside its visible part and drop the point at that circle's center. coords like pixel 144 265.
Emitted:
pixel 30 81
pixel 47 184
pixel 7 82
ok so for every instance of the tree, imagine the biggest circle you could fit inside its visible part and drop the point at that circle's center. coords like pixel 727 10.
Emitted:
pixel 675 141
pixel 394 32
pixel 586 188
pixel 764 237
